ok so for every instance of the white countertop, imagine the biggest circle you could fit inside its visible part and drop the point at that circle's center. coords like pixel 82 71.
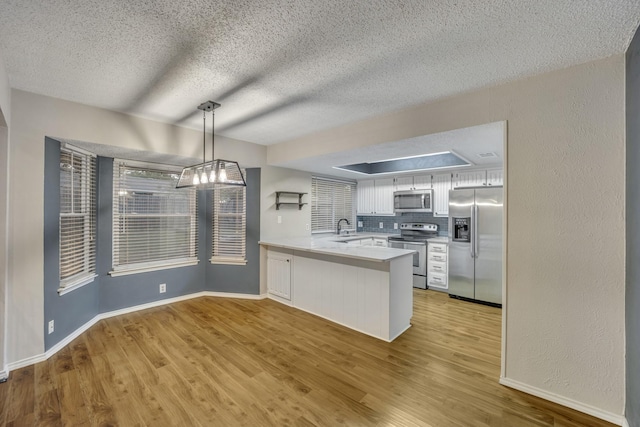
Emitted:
pixel 327 245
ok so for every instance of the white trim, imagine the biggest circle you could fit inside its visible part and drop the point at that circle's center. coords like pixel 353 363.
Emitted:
pixel 76 284
pixel 125 272
pixel 505 251
pixel 229 261
pixel 625 423
pixel 26 362
pixel 75 334
pixel 617 419
pixel 4 375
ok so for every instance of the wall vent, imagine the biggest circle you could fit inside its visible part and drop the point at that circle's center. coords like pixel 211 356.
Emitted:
pixel 487 155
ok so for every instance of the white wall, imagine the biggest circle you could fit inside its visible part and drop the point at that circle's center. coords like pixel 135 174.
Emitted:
pixel 294 221
pixel 5 119
pixel 565 247
pixel 33 118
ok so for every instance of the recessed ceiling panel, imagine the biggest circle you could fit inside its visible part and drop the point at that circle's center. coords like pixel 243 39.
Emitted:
pixel 408 164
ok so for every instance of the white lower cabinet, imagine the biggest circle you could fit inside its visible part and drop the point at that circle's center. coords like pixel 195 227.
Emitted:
pixel 279 274
pixel 437 266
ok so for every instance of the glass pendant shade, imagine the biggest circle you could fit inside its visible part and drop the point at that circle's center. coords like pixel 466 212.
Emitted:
pixel 219 172
pixel 208 175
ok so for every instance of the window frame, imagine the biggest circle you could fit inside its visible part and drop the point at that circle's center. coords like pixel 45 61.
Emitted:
pixel 88 203
pixel 150 265
pixel 352 217
pixel 240 259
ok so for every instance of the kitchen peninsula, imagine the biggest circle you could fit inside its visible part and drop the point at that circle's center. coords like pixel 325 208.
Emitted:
pixel 365 288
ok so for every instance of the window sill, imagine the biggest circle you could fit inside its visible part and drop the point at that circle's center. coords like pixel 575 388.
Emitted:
pixel 72 286
pixel 228 261
pixel 147 269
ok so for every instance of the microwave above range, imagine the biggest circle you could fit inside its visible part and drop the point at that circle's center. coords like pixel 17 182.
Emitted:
pixel 413 201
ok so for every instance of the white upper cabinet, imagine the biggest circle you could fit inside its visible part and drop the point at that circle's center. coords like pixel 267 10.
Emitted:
pixel 495 177
pixel 375 197
pixel 422 182
pixel 441 187
pixel 476 178
pixel 366 197
pixel 384 196
pixel 404 183
pixel 418 182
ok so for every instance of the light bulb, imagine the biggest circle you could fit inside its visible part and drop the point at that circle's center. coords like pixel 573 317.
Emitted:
pixel 196 180
pixel 213 176
pixel 204 179
pixel 223 175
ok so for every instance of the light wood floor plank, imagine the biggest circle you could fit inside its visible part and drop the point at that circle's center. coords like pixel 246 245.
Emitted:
pixel 216 361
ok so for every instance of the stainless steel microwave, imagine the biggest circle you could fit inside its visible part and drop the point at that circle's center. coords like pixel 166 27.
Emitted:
pixel 413 201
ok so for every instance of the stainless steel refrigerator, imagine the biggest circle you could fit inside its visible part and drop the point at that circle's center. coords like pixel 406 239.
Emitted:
pixel 475 244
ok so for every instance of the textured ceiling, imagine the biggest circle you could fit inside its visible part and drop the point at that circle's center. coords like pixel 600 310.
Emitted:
pixel 285 68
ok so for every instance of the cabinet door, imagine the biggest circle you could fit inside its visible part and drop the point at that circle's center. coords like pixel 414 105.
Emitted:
pixel 470 179
pixel 366 197
pixel 384 196
pixel 279 275
pixel 422 182
pixel 441 187
pixel 495 177
pixel 404 183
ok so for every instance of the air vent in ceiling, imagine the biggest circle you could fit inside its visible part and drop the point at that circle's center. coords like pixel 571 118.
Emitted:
pixel 488 155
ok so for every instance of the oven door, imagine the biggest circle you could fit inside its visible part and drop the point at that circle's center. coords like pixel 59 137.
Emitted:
pixel 419 257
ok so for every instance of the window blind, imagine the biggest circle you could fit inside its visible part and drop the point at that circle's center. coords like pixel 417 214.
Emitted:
pixel 331 200
pixel 154 224
pixel 229 225
pixel 77 217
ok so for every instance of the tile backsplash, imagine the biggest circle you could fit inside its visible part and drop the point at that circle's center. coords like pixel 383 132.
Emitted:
pixel 371 224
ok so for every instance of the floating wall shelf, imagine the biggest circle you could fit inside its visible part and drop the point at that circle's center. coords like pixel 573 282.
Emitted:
pixel 289 193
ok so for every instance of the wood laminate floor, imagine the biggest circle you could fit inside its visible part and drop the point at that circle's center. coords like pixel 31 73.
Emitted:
pixel 225 362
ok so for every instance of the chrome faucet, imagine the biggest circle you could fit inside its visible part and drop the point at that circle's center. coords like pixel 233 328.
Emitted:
pixel 338 226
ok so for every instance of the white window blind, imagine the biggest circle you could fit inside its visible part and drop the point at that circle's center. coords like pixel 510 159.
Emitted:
pixel 77 218
pixel 331 200
pixel 229 225
pixel 154 224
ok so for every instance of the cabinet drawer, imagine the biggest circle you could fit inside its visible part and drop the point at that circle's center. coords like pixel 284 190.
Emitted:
pixel 438 247
pixel 437 257
pixel 437 280
pixel 437 267
pixel 380 242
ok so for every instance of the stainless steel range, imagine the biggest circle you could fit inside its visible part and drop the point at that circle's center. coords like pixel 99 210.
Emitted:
pixel 413 236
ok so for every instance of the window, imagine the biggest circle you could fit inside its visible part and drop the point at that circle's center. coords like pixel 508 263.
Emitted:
pixel 331 200
pixel 77 219
pixel 229 225
pixel 154 224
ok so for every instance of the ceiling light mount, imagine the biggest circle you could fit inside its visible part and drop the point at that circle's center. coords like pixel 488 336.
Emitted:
pixel 217 172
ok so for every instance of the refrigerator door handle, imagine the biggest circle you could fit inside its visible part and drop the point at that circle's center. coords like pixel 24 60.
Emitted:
pixel 476 213
pixel 472 235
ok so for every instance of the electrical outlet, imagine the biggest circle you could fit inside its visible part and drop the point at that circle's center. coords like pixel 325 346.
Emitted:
pixel 51 326
pixel 307 227
pixel 395 225
pixel 279 219
pixel 163 288
pixel 382 225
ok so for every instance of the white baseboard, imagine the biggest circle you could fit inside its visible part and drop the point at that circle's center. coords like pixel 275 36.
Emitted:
pixel 75 334
pixel 4 374
pixel 564 401
pixel 625 423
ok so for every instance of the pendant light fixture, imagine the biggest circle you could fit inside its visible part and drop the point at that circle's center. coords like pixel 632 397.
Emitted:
pixel 217 172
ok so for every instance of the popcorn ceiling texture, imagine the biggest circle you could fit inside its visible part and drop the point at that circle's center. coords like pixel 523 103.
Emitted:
pixel 282 68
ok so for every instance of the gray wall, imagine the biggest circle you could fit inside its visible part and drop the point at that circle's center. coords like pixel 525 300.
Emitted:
pixel 72 310
pixel 106 293
pixel 632 297
pixel 244 279
pixel 141 288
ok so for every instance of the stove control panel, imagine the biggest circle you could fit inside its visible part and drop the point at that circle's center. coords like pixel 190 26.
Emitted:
pixel 419 226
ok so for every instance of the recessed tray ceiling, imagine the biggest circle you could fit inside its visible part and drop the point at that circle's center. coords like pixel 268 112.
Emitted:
pixel 432 161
